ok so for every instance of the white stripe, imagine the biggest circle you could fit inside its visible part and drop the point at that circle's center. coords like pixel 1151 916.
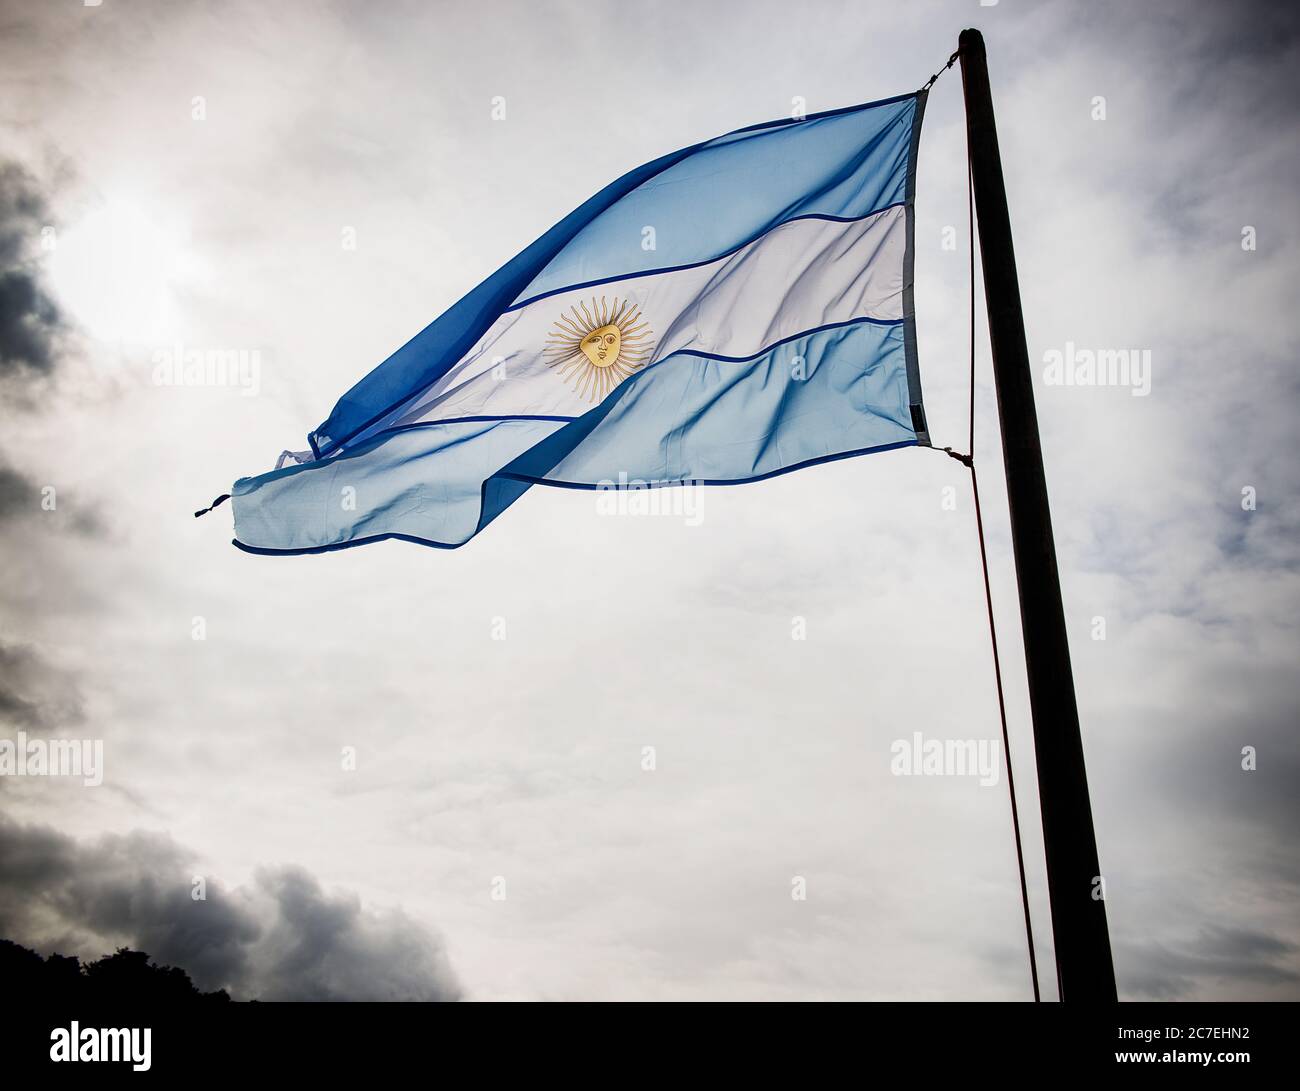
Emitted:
pixel 799 276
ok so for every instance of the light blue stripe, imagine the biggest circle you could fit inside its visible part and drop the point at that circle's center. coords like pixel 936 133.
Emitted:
pixel 737 188
pixel 425 483
pixel 707 420
pixel 821 396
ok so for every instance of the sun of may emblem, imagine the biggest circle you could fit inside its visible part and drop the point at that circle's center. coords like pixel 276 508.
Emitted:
pixel 597 348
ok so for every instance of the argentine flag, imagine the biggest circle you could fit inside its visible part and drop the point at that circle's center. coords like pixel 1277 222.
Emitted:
pixel 728 312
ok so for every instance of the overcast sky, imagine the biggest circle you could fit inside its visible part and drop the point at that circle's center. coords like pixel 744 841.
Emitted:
pixel 200 166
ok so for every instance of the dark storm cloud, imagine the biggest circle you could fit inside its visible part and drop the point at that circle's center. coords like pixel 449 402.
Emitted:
pixel 21 500
pixel 33 693
pixel 1160 971
pixel 1257 30
pixel 325 947
pixel 31 325
pixel 18 494
pixel 280 938
pixel 32 331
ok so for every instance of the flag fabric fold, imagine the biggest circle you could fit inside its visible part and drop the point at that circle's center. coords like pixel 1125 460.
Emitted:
pixel 731 311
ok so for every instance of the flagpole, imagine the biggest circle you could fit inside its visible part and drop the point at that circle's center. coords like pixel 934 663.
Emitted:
pixel 1083 958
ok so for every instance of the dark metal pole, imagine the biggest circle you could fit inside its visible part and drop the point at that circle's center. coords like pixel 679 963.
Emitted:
pixel 1083 959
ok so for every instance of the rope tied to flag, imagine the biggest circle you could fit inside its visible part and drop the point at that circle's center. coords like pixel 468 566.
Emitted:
pixel 215 504
pixel 951 61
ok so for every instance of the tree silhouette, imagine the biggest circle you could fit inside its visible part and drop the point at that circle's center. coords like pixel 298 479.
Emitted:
pixel 122 977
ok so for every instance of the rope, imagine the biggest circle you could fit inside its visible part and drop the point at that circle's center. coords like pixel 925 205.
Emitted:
pixel 219 500
pixel 968 460
pixel 951 61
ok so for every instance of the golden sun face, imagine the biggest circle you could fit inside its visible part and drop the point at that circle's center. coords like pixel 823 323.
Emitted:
pixel 597 348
